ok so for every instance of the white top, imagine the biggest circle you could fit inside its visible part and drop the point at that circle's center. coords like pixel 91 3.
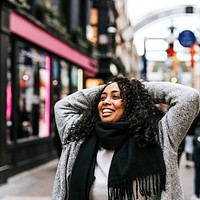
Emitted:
pixel 99 190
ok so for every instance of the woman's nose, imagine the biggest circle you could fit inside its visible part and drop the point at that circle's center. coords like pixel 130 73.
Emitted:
pixel 106 101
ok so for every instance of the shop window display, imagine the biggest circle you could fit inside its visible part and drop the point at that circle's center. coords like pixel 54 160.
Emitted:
pixel 34 92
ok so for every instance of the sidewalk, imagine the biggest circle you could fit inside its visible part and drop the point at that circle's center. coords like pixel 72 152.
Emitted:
pixel 187 178
pixel 37 184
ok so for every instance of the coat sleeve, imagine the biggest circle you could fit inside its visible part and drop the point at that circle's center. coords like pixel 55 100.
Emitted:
pixel 183 104
pixel 69 109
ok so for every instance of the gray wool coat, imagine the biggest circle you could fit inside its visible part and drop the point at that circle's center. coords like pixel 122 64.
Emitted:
pixel 184 106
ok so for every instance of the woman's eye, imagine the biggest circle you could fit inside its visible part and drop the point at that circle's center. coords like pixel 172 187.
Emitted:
pixel 116 97
pixel 102 98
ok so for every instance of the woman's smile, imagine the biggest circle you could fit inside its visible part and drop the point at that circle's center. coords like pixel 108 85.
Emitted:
pixel 106 110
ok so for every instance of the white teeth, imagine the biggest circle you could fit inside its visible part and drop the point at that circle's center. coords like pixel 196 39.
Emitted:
pixel 106 111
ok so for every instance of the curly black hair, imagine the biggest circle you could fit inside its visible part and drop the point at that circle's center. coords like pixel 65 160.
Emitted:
pixel 140 111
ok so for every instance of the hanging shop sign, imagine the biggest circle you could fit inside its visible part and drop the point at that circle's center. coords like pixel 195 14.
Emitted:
pixel 187 38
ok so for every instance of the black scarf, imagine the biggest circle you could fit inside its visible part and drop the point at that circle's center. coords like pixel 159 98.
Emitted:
pixel 144 165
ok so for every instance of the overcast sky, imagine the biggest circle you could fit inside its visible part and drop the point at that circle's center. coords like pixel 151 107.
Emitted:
pixel 137 9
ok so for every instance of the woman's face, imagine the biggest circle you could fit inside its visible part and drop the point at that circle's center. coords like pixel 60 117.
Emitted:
pixel 111 105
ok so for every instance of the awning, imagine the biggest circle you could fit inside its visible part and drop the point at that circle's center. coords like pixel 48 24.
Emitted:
pixel 33 33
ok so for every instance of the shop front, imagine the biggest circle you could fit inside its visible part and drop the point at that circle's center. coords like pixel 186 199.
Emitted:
pixel 36 70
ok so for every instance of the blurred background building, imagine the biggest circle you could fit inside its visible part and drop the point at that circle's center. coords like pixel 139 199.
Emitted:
pixel 166 36
pixel 51 48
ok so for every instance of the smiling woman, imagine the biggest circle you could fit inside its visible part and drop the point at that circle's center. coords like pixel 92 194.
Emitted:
pixel 117 144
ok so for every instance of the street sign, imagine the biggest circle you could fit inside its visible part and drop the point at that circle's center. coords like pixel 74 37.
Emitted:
pixel 187 38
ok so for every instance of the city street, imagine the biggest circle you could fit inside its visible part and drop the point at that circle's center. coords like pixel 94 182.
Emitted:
pixel 36 184
pixel 54 49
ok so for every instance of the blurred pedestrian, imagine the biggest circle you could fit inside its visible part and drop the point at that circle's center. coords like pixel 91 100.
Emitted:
pixel 195 127
pixel 188 148
pixel 118 145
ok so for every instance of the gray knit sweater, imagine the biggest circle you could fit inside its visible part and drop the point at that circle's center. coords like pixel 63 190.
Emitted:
pixel 184 106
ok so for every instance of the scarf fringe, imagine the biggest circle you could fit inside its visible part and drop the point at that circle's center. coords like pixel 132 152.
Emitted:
pixel 147 186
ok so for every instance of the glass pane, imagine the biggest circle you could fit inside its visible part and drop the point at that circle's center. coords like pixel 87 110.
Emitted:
pixel 60 88
pixel 64 78
pixel 34 92
pixel 44 98
pixel 60 79
pixel 74 78
pixel 9 98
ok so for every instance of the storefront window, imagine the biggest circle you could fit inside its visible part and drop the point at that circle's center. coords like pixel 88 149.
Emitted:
pixel 34 92
pixel 60 89
pixel 9 98
pixel 76 78
pixel 92 27
pixel 60 79
pixel 93 82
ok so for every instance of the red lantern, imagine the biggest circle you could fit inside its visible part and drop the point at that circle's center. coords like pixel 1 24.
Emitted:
pixel 192 50
pixel 192 53
pixel 170 50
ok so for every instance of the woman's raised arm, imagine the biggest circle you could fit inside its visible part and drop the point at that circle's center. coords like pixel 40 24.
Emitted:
pixel 69 109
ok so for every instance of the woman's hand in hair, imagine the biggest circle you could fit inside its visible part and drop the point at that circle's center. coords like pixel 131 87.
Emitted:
pixel 141 80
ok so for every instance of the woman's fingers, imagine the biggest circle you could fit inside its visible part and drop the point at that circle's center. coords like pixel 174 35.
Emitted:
pixel 141 80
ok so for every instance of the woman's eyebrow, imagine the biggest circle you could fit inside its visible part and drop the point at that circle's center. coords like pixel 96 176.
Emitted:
pixel 113 91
